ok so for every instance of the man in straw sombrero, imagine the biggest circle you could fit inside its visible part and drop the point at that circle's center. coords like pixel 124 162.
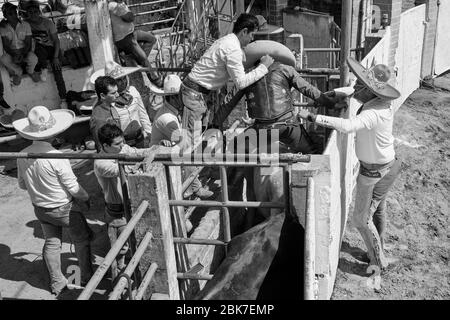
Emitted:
pixel 59 200
pixel 120 102
pixel 374 146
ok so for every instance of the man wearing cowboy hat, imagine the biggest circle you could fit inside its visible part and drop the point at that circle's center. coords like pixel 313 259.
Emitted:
pixel 167 128
pixel 58 199
pixel 127 109
pixel 374 146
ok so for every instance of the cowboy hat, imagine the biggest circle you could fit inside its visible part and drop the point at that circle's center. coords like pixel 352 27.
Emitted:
pixel 42 124
pixel 114 70
pixel 279 52
pixel 375 79
pixel 172 84
pixel 265 28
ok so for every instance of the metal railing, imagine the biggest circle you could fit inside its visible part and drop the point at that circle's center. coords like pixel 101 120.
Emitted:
pixel 124 279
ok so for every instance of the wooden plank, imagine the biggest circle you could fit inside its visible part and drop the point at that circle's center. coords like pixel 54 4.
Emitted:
pixel 152 186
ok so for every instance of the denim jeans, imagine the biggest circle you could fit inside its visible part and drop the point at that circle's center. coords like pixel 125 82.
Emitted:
pixel 193 112
pixel 44 54
pixel 369 216
pixel 116 224
pixel 53 221
pixel 130 45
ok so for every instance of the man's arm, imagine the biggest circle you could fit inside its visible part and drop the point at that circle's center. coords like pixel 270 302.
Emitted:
pixel 233 58
pixel 367 119
pixel 144 119
pixel 69 180
pixel 7 47
pixel 305 88
pixel 224 110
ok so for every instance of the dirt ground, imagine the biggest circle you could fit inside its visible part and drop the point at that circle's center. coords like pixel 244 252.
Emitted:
pixel 418 208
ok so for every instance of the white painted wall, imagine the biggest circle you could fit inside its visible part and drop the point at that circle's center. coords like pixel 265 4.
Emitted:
pixel 442 50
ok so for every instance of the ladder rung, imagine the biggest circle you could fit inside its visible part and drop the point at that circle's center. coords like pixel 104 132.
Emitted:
pixel 194 276
pixel 154 22
pixel 211 242
pixel 146 3
pixel 154 11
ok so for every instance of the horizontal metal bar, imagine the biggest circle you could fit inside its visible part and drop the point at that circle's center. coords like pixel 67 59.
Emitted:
pixel 118 289
pixel 194 276
pixel 146 281
pixel 328 49
pixel 169 158
pixel 112 254
pixel 227 204
pixel 221 163
pixel 154 22
pixel 211 242
pixel 155 11
pixel 146 3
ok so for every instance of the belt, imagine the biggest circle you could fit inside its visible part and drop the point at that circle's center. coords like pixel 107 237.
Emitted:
pixel 195 86
pixel 288 116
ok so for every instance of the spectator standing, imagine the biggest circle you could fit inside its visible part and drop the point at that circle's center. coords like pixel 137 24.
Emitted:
pixel 112 141
pixel 17 45
pixel 47 47
pixel 58 199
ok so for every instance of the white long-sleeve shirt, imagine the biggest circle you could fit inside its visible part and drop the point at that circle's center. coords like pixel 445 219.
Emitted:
pixel 135 111
pixel 373 127
pixel 222 61
pixel 47 181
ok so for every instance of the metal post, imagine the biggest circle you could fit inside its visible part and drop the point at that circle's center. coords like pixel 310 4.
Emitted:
pixel 225 212
pixel 310 244
pixel 346 18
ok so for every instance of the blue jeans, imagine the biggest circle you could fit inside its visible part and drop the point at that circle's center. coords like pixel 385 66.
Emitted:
pixel 369 216
pixel 53 220
pixel 193 112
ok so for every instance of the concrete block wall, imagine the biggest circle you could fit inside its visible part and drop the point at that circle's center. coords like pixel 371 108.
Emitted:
pixel 275 14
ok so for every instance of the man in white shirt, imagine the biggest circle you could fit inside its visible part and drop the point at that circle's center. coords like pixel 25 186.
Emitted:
pixel 221 62
pixel 58 200
pixel 374 146
pixel 112 141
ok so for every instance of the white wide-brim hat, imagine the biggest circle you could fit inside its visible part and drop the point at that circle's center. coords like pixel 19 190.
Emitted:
pixel 259 48
pixel 114 70
pixel 63 119
pixel 172 84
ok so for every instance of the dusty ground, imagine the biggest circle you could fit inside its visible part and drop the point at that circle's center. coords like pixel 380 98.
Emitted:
pixel 418 209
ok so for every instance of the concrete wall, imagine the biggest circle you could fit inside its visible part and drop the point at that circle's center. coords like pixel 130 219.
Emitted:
pixel 315 29
pixel 442 52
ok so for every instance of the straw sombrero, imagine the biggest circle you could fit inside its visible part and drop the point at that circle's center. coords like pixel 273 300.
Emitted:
pixel 376 79
pixel 172 84
pixel 114 70
pixel 279 52
pixel 42 124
